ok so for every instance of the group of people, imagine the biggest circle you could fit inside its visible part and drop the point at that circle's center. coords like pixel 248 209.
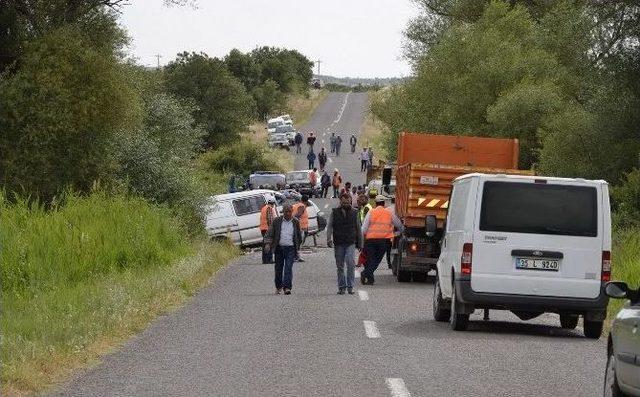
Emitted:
pixel 336 144
pixel 368 227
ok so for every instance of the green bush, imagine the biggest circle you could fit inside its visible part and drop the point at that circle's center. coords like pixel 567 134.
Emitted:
pixel 83 238
pixel 242 157
pixel 626 201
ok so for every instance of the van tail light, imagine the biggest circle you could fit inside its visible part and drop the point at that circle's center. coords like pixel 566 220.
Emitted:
pixel 606 266
pixel 465 260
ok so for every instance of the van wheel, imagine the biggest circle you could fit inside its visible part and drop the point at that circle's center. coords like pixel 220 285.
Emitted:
pixel 593 329
pixel 420 277
pixel 441 307
pixel 458 321
pixel 568 321
pixel 403 276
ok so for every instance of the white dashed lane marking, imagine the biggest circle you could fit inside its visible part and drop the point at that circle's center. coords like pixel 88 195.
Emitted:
pixel 397 387
pixel 371 329
pixel 364 296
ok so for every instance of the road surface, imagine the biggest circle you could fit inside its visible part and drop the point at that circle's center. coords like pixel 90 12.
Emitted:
pixel 237 338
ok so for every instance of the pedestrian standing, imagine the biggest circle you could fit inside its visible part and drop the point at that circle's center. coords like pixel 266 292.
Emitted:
pixel 332 141
pixel 363 206
pixel 311 140
pixel 354 197
pixel 364 159
pixel 336 181
pixel 344 235
pixel 298 141
pixel 313 178
pixel 377 229
pixel 338 145
pixel 325 182
pixel 267 214
pixel 353 141
pixel 284 237
pixel 302 215
pixel 322 159
pixel 312 159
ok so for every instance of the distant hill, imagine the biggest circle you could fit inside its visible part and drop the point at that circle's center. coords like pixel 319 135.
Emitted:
pixel 355 81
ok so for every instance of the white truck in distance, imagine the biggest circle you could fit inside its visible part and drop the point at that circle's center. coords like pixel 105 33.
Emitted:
pixel 527 244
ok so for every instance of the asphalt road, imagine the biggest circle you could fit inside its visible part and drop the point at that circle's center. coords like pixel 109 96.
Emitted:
pixel 237 338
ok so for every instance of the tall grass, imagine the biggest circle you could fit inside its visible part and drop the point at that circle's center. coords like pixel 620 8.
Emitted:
pixel 626 262
pixel 80 278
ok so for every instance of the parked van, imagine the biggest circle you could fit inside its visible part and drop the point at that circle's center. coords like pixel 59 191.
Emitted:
pixel 272 124
pixel 527 244
pixel 237 216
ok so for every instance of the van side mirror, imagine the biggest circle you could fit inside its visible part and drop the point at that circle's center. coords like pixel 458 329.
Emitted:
pixel 431 225
pixel 616 289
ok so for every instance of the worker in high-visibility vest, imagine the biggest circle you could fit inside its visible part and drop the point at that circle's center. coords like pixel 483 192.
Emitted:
pixel 363 207
pixel 300 212
pixel 378 230
pixel 267 214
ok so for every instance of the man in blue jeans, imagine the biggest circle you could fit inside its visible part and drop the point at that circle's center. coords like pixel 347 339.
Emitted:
pixel 285 237
pixel 343 233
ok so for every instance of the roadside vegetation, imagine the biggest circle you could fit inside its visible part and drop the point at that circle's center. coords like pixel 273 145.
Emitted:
pixel 105 170
pixel 561 76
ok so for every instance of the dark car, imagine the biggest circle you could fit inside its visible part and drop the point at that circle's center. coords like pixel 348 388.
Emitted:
pixel 266 180
pixel 300 181
pixel 622 377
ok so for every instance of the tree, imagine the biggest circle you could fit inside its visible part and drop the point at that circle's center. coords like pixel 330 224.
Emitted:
pixel 59 113
pixel 223 106
pixel 268 98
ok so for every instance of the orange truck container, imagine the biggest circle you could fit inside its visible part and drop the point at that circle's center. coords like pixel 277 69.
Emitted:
pixel 427 166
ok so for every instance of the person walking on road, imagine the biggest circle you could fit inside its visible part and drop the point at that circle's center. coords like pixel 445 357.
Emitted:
pixel 338 145
pixel 298 141
pixel 364 159
pixel 267 214
pixel 377 229
pixel 311 140
pixel 285 237
pixel 325 182
pixel 336 181
pixel 332 141
pixel 302 215
pixel 343 234
pixel 353 141
pixel 322 159
pixel 312 159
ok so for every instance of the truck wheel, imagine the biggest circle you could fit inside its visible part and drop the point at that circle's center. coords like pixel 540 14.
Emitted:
pixel 441 308
pixel 593 329
pixel 458 321
pixel 568 321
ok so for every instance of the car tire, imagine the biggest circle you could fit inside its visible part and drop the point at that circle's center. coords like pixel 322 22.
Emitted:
pixel 441 307
pixel 420 277
pixel 458 321
pixel 611 388
pixel 593 329
pixel 568 321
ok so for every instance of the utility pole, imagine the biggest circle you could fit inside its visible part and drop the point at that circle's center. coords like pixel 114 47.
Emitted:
pixel 318 62
pixel 158 56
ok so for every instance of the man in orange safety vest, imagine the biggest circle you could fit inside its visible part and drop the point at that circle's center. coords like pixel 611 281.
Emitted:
pixel 267 214
pixel 300 212
pixel 378 230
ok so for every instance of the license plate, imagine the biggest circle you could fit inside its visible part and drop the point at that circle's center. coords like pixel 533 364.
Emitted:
pixel 538 264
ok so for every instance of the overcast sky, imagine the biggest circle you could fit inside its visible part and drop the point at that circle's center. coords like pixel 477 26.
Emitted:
pixel 354 38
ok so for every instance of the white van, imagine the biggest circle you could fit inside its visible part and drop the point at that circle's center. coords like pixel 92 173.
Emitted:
pixel 273 123
pixel 237 216
pixel 526 244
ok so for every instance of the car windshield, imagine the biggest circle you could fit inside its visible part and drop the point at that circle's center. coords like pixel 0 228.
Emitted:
pixel 284 128
pixel 297 177
pixel 272 181
pixel 275 124
pixel 539 208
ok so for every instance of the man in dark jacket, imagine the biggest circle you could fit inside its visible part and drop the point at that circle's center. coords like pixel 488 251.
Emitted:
pixel 284 237
pixel 343 233
pixel 298 141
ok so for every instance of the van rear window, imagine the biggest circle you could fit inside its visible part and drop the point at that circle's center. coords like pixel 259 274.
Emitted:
pixel 539 208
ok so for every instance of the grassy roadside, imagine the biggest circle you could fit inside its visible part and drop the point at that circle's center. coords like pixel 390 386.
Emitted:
pixel 626 263
pixel 92 273
pixel 373 131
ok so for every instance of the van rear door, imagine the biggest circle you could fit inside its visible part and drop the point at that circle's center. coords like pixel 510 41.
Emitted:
pixel 541 237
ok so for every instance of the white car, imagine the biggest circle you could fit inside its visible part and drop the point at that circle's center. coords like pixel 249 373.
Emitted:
pixel 527 244
pixel 236 216
pixel 287 119
pixel 273 123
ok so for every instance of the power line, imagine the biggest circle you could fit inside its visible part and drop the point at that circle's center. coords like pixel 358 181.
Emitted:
pixel 158 56
pixel 318 62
